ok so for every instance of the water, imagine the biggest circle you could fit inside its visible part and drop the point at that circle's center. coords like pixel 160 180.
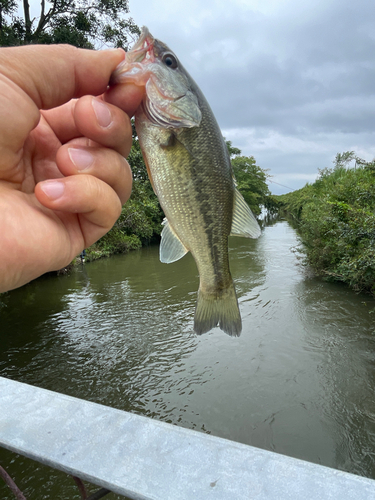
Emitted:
pixel 299 381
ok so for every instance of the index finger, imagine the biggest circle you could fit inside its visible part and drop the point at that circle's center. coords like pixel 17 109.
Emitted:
pixel 53 74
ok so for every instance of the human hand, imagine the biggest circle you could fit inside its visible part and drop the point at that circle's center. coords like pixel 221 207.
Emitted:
pixel 63 176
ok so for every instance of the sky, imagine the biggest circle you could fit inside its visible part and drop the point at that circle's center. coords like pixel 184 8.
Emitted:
pixel 291 83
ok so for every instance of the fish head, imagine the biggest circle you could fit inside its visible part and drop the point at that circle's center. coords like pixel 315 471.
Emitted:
pixel 170 100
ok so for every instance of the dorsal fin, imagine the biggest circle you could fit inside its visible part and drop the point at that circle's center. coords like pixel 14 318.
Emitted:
pixel 244 223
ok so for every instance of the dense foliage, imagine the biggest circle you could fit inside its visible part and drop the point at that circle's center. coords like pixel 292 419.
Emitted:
pixel 336 221
pixel 83 23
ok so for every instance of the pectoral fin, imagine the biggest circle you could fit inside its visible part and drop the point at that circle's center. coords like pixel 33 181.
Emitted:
pixel 171 247
pixel 180 149
pixel 244 223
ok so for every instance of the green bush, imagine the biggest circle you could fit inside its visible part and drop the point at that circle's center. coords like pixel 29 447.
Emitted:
pixel 336 222
pixel 113 242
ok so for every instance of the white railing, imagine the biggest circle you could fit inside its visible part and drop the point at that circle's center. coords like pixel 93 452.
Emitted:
pixel 145 459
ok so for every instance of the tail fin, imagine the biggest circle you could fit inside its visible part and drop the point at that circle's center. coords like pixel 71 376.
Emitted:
pixel 219 309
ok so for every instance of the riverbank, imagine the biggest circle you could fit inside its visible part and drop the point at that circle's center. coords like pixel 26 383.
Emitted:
pixel 336 223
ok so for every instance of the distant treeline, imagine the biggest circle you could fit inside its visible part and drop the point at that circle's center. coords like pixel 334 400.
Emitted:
pixel 336 221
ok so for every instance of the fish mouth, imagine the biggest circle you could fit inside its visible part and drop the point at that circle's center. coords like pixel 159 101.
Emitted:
pixel 133 64
pixel 143 48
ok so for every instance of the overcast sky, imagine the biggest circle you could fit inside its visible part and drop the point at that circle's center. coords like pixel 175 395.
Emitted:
pixel 291 83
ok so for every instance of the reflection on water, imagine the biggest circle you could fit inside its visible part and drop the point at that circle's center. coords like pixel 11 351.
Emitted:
pixel 300 380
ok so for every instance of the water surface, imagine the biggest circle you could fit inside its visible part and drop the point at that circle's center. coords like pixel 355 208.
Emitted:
pixel 299 381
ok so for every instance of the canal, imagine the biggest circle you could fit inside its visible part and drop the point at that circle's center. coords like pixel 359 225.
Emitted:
pixel 300 380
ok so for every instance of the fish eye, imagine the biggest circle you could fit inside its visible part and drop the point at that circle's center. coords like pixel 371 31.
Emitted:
pixel 170 60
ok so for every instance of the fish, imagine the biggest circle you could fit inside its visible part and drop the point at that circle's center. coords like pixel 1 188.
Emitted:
pixel 190 171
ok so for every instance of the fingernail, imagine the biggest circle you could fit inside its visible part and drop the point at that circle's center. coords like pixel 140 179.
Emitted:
pixel 102 112
pixel 81 158
pixel 53 189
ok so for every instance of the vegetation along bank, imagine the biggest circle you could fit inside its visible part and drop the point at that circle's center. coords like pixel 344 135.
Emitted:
pixel 335 219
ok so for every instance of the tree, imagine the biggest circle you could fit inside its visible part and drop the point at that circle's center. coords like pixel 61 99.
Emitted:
pixel 251 182
pixel 251 179
pixel 336 221
pixel 232 150
pixel 83 23
pixel 343 159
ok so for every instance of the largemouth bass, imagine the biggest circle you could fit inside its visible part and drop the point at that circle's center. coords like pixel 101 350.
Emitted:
pixel 189 167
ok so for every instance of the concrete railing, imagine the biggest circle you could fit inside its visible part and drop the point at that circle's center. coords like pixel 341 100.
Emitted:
pixel 145 459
